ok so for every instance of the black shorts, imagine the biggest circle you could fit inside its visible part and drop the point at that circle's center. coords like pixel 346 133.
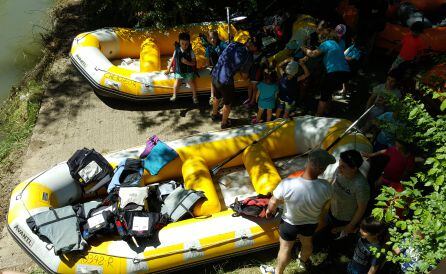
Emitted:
pixel 333 82
pixel 289 232
pixel 223 91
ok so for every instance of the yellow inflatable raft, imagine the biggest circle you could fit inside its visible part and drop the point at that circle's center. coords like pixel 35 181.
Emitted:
pixel 130 63
pixel 214 233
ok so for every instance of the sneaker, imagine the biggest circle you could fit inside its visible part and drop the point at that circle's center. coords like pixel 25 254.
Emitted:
pixel 195 100
pixel 173 98
pixel 211 100
pixel 318 258
pixel 267 269
pixel 216 117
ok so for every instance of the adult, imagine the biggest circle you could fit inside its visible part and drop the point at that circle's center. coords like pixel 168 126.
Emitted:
pixel 336 66
pixel 236 57
pixel 304 198
pixel 351 194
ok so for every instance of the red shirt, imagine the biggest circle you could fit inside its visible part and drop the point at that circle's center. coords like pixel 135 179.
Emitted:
pixel 412 46
pixel 398 164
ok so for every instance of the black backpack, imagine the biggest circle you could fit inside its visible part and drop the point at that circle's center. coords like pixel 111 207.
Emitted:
pixel 88 167
pixel 251 207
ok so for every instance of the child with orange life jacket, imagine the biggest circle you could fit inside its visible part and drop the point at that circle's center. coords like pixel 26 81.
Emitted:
pixel 184 64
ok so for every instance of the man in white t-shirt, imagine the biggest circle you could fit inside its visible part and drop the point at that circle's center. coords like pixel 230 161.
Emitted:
pixel 304 198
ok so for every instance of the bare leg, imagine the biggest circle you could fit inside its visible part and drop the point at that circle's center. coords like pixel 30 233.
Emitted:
pixel 259 115
pixel 269 114
pixel 307 247
pixel 284 255
pixel 176 85
pixel 211 100
pixel 322 108
pixel 254 94
pixel 193 88
pixel 278 112
pixel 226 110
pixel 286 114
pixel 215 103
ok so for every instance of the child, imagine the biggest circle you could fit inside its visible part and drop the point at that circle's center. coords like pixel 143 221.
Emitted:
pixel 400 165
pixel 288 85
pixel 412 46
pixel 184 63
pixel 364 262
pixel 213 50
pixel 266 97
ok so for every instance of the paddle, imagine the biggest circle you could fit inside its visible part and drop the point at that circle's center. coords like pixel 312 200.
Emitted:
pixel 217 167
pixel 349 128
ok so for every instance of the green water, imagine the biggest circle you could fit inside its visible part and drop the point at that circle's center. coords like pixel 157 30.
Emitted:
pixel 21 22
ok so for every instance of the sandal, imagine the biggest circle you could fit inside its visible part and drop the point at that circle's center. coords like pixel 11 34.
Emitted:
pixel 227 125
pixel 216 117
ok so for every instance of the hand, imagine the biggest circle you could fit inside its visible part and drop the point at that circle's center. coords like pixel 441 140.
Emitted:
pixel 349 228
pixel 366 155
pixel 183 60
pixel 269 214
pixel 303 60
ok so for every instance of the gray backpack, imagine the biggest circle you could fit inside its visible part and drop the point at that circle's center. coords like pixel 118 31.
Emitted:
pixel 180 202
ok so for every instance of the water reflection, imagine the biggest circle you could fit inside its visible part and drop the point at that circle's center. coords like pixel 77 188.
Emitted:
pixel 21 23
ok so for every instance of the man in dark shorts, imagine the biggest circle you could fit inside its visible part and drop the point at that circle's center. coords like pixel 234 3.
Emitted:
pixel 236 57
pixel 304 198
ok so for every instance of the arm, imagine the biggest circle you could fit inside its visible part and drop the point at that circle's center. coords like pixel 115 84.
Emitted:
pixel 370 155
pixel 371 100
pixel 272 207
pixel 357 217
pixel 311 53
pixel 169 67
pixel 306 72
pixel 373 269
pixel 189 63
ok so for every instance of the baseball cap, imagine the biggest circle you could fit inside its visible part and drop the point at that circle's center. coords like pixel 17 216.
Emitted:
pixel 321 157
pixel 340 30
pixel 292 68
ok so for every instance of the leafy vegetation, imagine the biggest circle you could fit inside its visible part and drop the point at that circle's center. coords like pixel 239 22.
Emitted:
pixel 417 216
pixel 18 116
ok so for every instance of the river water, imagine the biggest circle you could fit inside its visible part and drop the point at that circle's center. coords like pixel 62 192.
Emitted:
pixel 21 22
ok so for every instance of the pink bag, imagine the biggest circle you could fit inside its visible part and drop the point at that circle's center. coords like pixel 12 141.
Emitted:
pixel 150 143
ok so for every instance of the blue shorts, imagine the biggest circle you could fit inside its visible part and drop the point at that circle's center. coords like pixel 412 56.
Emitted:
pixel 184 76
pixel 287 106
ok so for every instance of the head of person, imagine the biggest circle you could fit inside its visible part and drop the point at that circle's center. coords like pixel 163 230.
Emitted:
pixel 402 145
pixel 184 39
pixel 417 28
pixel 254 44
pixel 340 30
pixel 349 163
pixel 391 80
pixel 270 75
pixel 318 160
pixel 371 228
pixel 213 37
pixel 323 28
pixel 291 69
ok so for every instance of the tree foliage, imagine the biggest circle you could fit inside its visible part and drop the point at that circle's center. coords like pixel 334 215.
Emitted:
pixel 420 225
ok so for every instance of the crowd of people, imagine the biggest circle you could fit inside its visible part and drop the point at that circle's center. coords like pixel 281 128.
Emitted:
pixel 276 89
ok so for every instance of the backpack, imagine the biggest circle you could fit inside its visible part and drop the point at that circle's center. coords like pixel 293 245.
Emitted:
pixel 88 167
pixel 141 224
pixel 128 174
pixel 251 207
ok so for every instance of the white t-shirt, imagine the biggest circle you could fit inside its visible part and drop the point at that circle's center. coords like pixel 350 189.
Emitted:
pixel 303 199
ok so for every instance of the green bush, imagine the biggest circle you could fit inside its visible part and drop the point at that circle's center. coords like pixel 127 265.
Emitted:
pixel 423 201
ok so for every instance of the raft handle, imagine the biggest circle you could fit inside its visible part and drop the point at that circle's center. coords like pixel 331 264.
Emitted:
pixel 49 246
pixel 136 261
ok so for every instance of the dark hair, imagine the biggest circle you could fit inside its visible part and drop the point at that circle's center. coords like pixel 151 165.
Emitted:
pixel 352 158
pixel 256 41
pixel 373 226
pixel 417 27
pixel 184 36
pixel 270 74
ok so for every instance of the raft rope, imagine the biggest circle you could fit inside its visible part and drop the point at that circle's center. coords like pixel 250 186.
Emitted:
pixel 136 260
